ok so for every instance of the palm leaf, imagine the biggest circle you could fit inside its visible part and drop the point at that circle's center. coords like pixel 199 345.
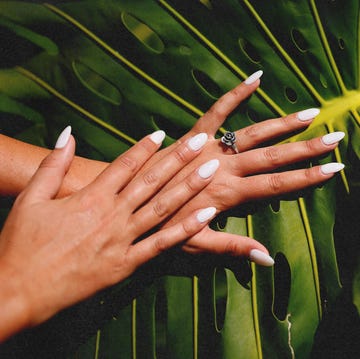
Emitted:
pixel 116 70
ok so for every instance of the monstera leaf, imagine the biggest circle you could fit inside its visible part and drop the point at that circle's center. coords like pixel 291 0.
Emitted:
pixel 117 70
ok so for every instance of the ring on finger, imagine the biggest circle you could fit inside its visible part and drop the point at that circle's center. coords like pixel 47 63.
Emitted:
pixel 229 139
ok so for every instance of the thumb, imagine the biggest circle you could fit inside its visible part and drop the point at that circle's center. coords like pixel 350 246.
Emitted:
pixel 47 180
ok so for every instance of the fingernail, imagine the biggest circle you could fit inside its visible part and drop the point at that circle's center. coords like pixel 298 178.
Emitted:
pixel 63 138
pixel 157 137
pixel 331 167
pixel 208 168
pixel 261 258
pixel 308 114
pixel 333 137
pixel 198 141
pixel 252 78
pixel 205 214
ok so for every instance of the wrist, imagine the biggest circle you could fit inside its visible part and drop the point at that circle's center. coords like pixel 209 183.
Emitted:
pixel 15 308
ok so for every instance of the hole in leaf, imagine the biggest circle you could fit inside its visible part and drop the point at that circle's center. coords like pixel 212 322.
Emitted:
pixel 282 285
pixel 341 43
pixel 172 129
pixel 185 50
pixel 252 115
pixel 207 3
pixel 143 33
pixel 220 297
pixel 299 40
pixel 96 83
pixel 291 94
pixel 160 324
pixel 206 84
pixel 275 205
pixel 323 81
pixel 249 50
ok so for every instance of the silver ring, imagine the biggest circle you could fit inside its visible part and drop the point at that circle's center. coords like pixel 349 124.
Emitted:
pixel 229 139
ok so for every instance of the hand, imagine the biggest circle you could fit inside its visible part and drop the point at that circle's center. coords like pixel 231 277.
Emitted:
pixel 249 175
pixel 55 252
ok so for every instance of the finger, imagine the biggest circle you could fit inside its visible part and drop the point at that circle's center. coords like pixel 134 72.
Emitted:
pixel 147 184
pixel 274 184
pixel 216 115
pixel 125 167
pixel 165 239
pixel 164 204
pixel 209 241
pixel 253 135
pixel 272 157
pixel 47 180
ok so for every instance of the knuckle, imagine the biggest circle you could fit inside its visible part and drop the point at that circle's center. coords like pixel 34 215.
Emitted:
pixel 189 228
pixel 181 155
pixel 191 186
pixel 161 208
pixel 251 132
pixel 272 155
pixel 160 244
pixel 128 162
pixel 309 174
pixel 151 178
pixel 147 145
pixel 310 146
pixel 232 248
pixel 49 162
pixel 275 183
pixel 286 121
pixel 214 110
pixel 236 92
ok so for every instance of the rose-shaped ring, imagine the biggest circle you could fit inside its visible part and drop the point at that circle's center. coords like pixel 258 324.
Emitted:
pixel 229 139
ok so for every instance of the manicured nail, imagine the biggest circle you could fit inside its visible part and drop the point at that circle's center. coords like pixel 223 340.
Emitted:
pixel 333 137
pixel 198 141
pixel 157 137
pixel 308 114
pixel 331 167
pixel 261 258
pixel 63 138
pixel 208 168
pixel 205 214
pixel 252 78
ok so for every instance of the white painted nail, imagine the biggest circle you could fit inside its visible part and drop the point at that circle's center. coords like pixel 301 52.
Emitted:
pixel 261 258
pixel 208 168
pixel 333 137
pixel 308 114
pixel 157 137
pixel 205 214
pixel 252 78
pixel 331 167
pixel 63 138
pixel 198 141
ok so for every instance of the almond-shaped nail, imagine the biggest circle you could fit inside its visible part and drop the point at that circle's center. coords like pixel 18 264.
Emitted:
pixel 333 137
pixel 261 258
pixel 252 78
pixel 205 214
pixel 198 141
pixel 308 114
pixel 331 167
pixel 63 138
pixel 157 137
pixel 208 168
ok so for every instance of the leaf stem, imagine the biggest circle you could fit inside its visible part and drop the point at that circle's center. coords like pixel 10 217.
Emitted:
pixel 219 54
pixel 285 55
pixel 255 309
pixel 72 104
pixel 124 60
